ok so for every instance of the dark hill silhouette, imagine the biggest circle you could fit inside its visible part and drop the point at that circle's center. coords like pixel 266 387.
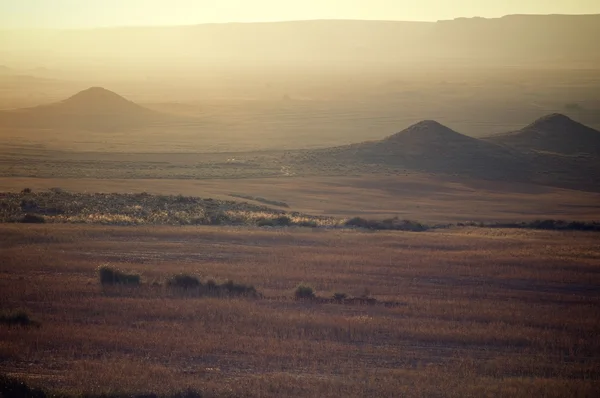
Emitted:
pixel 93 109
pixel 554 133
pixel 432 147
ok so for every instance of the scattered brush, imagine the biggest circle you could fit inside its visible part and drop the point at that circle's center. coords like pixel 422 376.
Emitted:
pixel 184 281
pixel 191 284
pixel 304 292
pixel 339 296
pixel 17 318
pixel 113 276
pixel 395 224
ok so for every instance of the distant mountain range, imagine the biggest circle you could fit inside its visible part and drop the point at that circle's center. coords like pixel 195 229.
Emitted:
pixel 513 40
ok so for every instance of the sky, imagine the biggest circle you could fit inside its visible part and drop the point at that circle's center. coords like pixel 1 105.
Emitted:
pixel 103 13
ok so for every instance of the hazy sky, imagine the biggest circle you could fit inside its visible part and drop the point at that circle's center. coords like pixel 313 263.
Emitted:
pixel 91 13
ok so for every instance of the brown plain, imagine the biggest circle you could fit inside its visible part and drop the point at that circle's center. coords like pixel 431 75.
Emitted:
pixel 480 312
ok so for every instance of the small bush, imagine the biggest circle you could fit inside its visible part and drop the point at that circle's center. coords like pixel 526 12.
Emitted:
pixel 26 190
pixel 304 292
pixel 112 276
pixel 17 318
pixel 238 289
pixel 33 219
pixel 184 281
pixel 340 296
pixel 280 221
pixel 308 224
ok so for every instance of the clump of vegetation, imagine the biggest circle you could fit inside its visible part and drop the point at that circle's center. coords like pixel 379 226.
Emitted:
pixel 340 296
pixel 190 283
pixel 26 190
pixel 559 225
pixel 279 221
pixel 237 289
pixel 184 281
pixel 33 219
pixel 17 318
pixel 113 276
pixel 304 292
pixel 388 224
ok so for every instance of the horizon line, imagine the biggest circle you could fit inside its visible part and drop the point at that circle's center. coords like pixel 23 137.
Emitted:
pixel 69 28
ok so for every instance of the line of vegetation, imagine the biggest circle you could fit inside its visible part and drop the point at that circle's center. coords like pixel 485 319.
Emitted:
pixel 186 284
pixel 306 292
pixel 554 225
pixel 17 318
pixel 190 284
pixel 59 206
pixel 13 388
pixel 260 200
pixel 395 224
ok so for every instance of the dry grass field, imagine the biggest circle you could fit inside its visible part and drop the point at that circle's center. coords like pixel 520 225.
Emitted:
pixel 477 312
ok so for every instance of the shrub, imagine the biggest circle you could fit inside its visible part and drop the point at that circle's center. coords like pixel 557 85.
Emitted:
pixel 26 190
pixel 304 292
pixel 340 296
pixel 17 318
pixel 238 289
pixel 308 224
pixel 33 219
pixel 184 281
pixel 112 276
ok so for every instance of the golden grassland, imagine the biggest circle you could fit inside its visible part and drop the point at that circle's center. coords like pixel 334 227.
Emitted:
pixel 481 312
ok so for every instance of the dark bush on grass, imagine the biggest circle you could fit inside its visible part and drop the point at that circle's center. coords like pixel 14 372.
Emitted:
pixel 387 224
pixel 184 281
pixel 17 318
pixel 304 292
pixel 308 224
pixel 280 221
pixel 26 190
pixel 558 225
pixel 238 289
pixel 33 219
pixel 340 296
pixel 113 276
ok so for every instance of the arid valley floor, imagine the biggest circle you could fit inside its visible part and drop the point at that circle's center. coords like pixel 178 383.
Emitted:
pixel 469 312
pixel 363 209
